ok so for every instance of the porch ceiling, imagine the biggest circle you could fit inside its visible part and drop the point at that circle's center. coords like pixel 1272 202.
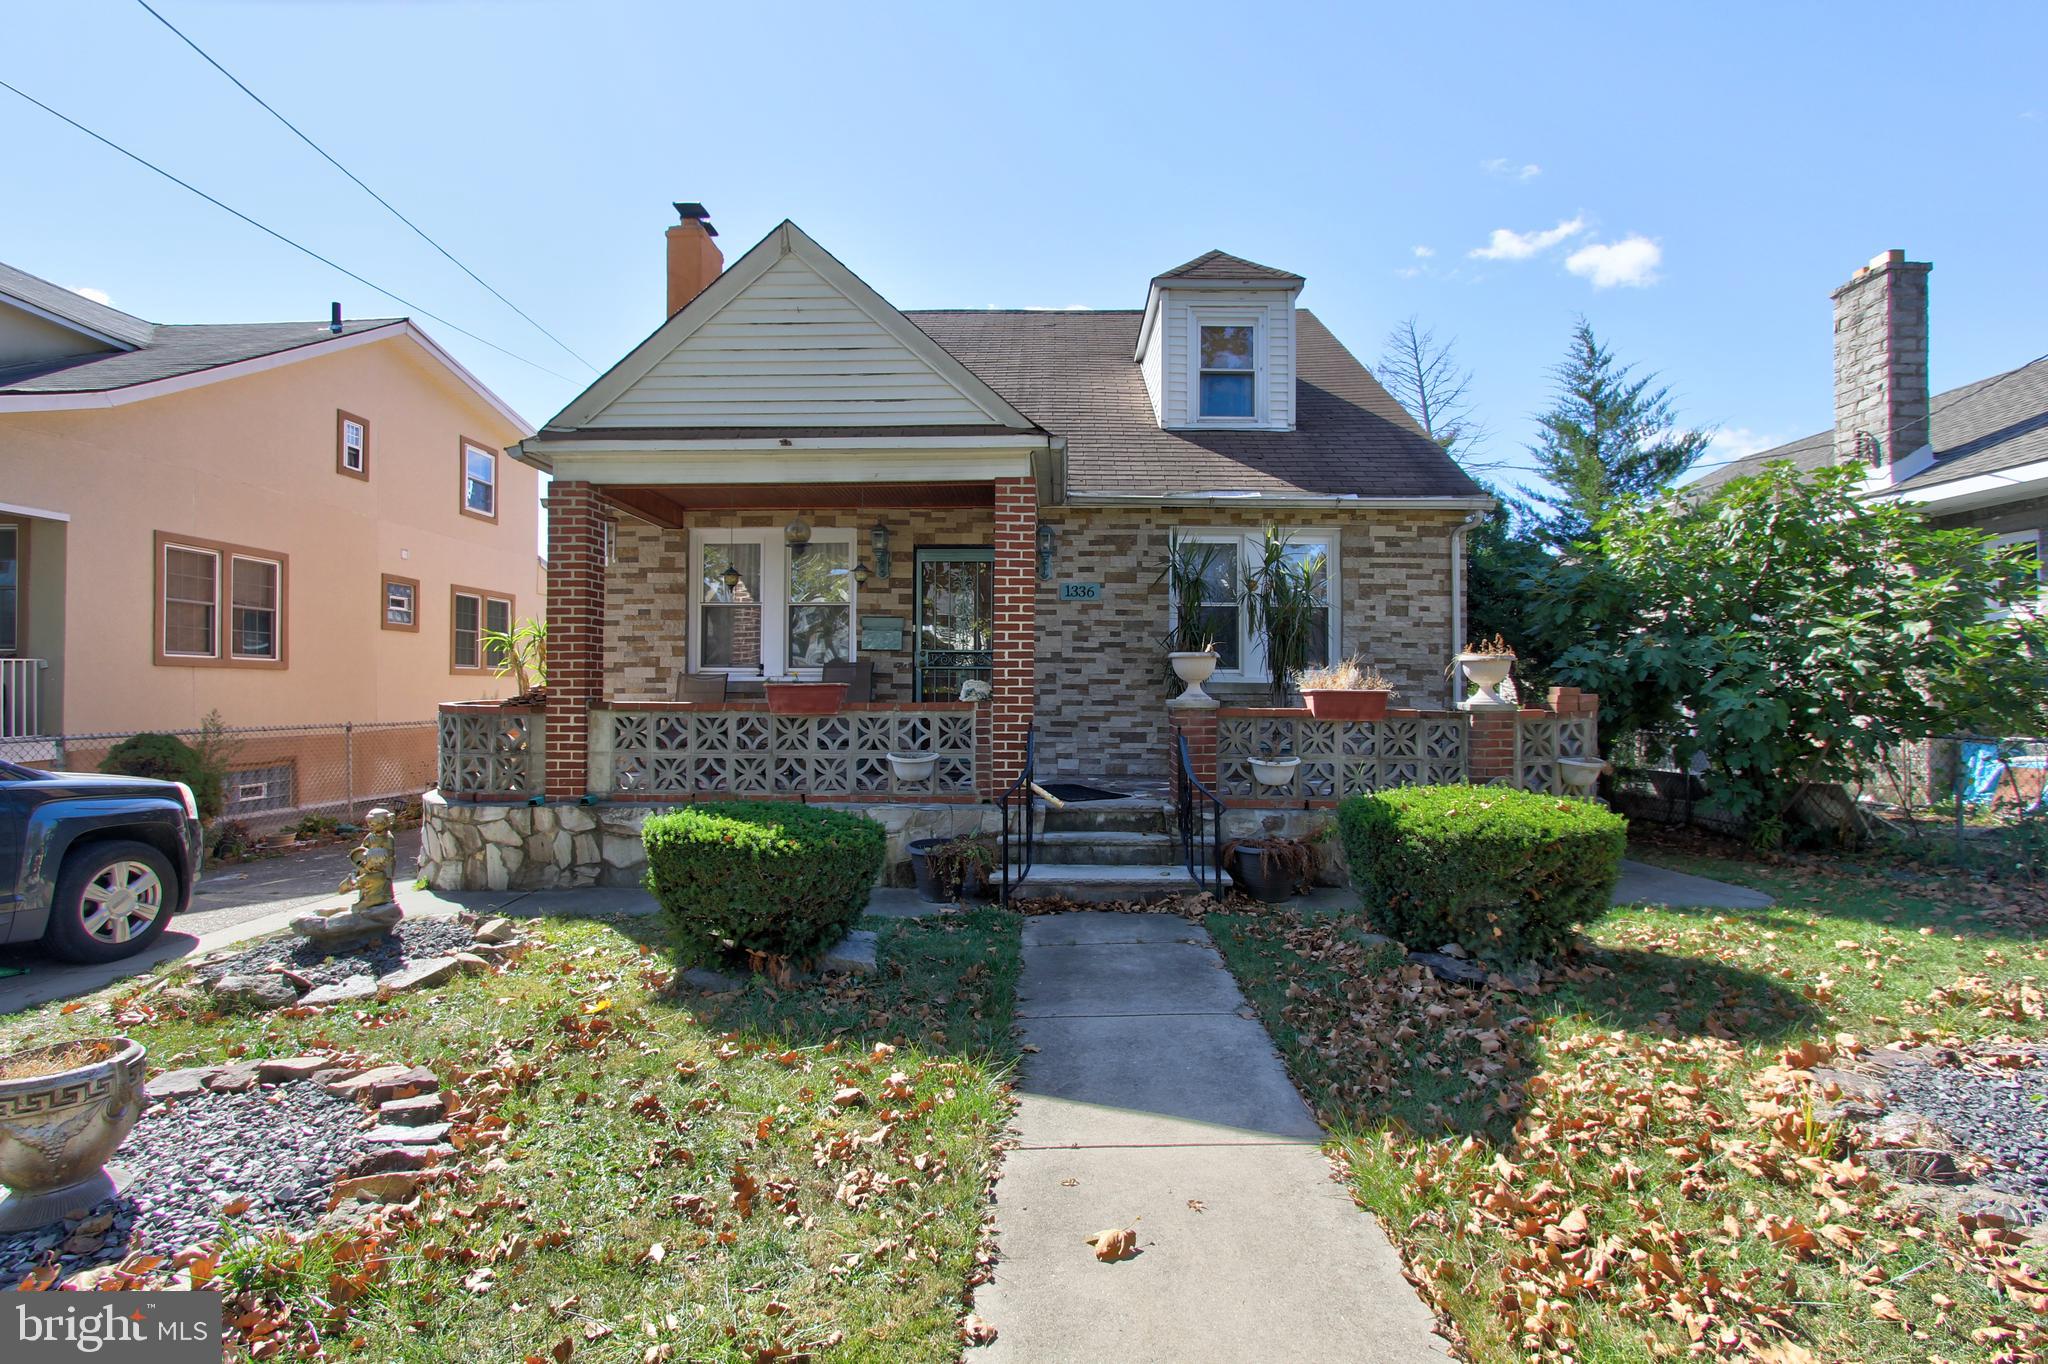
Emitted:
pixel 666 505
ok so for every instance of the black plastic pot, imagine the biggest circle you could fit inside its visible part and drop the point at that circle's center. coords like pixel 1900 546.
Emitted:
pixel 1258 877
pixel 966 887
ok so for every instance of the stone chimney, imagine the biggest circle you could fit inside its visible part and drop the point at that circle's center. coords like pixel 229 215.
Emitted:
pixel 1881 363
pixel 694 259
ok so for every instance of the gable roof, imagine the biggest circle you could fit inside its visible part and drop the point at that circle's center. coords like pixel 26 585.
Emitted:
pixel 173 351
pixel 1980 428
pixel 71 308
pixel 1071 372
pixel 787 288
pixel 1220 265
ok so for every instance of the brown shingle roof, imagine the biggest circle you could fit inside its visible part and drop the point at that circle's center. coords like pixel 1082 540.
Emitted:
pixel 1221 265
pixel 1072 373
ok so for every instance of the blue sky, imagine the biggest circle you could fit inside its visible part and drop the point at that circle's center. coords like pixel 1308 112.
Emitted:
pixel 1695 180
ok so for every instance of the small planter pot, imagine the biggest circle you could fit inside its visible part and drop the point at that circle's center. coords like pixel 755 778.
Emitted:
pixel 1193 668
pixel 967 887
pixel 1581 775
pixel 1327 704
pixel 805 698
pixel 912 767
pixel 1258 878
pixel 1275 771
pixel 57 1130
pixel 1486 672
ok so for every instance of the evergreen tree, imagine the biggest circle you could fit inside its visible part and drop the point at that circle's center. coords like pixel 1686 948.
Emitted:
pixel 1608 436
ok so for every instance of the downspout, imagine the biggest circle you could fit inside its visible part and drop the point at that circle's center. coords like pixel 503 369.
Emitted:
pixel 1458 599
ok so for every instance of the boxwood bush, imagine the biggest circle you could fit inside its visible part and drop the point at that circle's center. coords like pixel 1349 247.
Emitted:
pixel 760 876
pixel 1508 874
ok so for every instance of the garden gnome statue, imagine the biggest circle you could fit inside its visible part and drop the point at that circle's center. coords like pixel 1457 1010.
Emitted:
pixel 374 910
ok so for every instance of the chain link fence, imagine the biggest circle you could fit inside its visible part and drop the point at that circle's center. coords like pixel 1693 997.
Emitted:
pixel 275 776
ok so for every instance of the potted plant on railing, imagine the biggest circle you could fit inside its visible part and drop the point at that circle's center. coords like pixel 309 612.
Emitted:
pixel 1272 770
pixel 1192 571
pixel 1286 601
pixel 805 698
pixel 521 653
pixel 1271 867
pixel 1487 665
pixel 1348 690
pixel 911 768
pixel 949 869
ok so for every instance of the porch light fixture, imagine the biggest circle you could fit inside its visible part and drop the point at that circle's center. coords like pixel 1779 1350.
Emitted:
pixel 797 532
pixel 878 536
pixel 861 573
pixel 731 576
pixel 1046 541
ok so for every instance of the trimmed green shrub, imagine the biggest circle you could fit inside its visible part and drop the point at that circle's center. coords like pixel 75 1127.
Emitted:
pixel 166 757
pixel 781 879
pixel 1508 874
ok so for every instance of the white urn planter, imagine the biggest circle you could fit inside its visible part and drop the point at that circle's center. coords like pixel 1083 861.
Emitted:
pixel 1580 775
pixel 912 767
pixel 1274 771
pixel 1486 672
pixel 58 1126
pixel 1193 667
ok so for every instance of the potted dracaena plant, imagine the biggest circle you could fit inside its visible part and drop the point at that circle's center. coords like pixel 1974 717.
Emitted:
pixel 1192 569
pixel 1287 603
pixel 521 653
pixel 1345 690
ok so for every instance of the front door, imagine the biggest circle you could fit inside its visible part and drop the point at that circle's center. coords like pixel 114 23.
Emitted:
pixel 955 620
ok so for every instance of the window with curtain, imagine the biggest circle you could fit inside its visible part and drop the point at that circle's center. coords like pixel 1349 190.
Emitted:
pixel 1229 364
pixel 254 606
pixel 190 600
pixel 729 618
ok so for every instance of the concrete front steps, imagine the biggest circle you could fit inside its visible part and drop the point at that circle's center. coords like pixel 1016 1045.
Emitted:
pixel 1101 850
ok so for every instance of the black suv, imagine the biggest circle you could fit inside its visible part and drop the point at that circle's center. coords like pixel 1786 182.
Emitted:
pixel 93 866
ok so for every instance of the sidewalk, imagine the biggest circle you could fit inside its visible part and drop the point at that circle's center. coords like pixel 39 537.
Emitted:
pixel 1155 1100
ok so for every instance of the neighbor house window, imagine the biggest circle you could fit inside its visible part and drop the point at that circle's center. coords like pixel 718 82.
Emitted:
pixel 401 603
pixel 259 790
pixel 351 445
pixel 789 610
pixel 10 587
pixel 206 590
pixel 1228 380
pixel 476 613
pixel 2028 542
pixel 479 481
pixel 1240 647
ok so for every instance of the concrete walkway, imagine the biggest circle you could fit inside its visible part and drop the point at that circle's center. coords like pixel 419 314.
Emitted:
pixel 1643 884
pixel 1155 1100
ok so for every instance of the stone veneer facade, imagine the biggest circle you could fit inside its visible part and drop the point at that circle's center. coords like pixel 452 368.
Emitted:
pixel 1100 670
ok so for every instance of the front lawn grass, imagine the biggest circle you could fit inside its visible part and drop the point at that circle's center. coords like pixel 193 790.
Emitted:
pixel 1622 1165
pixel 682 1177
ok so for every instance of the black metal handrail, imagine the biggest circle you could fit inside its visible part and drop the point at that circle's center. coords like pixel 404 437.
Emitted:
pixel 1021 793
pixel 1198 812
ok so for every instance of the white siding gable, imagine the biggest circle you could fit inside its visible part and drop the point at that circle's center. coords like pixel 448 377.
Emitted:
pixel 790 338
pixel 1181 311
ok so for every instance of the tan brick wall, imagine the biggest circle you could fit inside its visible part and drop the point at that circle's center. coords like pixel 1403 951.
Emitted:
pixel 647 589
pixel 1101 666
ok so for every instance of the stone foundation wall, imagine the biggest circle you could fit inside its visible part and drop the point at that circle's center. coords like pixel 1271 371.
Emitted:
pixel 569 846
pixel 1317 826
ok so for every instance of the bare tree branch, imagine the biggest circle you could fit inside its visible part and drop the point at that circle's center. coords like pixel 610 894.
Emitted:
pixel 1425 377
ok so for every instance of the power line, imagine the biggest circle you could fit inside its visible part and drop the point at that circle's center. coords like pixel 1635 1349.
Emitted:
pixel 400 299
pixel 388 207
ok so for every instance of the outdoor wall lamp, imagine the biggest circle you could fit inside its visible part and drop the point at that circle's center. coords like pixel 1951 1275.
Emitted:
pixel 1046 540
pixel 797 532
pixel 878 537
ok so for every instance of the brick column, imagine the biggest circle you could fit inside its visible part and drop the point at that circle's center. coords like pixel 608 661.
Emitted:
pixel 1492 752
pixel 1198 723
pixel 575 632
pixel 1016 628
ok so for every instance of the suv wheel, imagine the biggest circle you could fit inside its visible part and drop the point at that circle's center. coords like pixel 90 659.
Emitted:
pixel 113 900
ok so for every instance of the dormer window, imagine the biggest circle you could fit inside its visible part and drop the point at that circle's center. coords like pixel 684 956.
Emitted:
pixel 1228 384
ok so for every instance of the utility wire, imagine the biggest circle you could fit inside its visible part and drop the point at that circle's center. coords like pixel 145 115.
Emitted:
pixel 388 207
pixel 271 231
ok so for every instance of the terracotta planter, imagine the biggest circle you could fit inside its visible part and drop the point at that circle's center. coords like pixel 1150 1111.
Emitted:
pixel 56 1131
pixel 1346 705
pixel 805 698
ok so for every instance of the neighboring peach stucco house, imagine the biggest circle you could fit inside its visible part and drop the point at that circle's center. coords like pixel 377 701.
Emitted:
pixel 289 523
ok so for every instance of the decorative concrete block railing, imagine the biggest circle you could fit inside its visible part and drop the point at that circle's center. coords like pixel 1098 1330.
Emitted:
pixel 1337 758
pixel 1543 739
pixel 661 751
pixel 492 751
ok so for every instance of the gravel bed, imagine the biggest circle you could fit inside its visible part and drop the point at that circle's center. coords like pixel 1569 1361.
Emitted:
pixel 331 963
pixel 277 1146
pixel 1999 1114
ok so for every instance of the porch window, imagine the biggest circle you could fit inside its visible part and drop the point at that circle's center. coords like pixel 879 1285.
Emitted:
pixel 1229 371
pixel 789 610
pixel 1241 650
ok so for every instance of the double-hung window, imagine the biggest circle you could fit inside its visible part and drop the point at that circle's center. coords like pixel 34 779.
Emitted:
pixel 2028 542
pixel 479 481
pixel 1227 384
pixel 351 445
pixel 475 614
pixel 218 604
pixel 765 608
pixel 1232 562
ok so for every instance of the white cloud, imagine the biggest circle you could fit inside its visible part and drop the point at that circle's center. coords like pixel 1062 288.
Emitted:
pixel 1424 252
pixel 1508 170
pixel 1632 262
pixel 1407 272
pixel 1737 442
pixel 1506 245
pixel 96 295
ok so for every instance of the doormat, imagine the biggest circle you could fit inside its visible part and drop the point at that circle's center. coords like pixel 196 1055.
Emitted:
pixel 1074 790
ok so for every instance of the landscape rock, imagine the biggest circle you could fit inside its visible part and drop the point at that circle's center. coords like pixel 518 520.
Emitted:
pixel 235 1079
pixel 470 964
pixel 855 955
pixel 384 1159
pixel 418 976
pixel 1450 969
pixel 409 1081
pixel 394 1186
pixel 396 1134
pixel 178 1084
pixel 278 1070
pixel 417 1111
pixel 255 991
pixel 708 982
pixel 353 1085
pixel 354 990
pixel 499 930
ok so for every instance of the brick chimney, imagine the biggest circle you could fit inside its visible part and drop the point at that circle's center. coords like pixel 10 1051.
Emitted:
pixel 1881 363
pixel 694 259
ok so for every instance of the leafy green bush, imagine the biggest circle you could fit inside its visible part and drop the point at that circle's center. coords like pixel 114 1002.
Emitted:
pixel 779 879
pixel 168 758
pixel 1508 874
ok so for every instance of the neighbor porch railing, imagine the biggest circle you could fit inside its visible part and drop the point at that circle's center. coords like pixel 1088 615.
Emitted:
pixel 1338 757
pixel 21 694
pixel 660 750
pixel 491 751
